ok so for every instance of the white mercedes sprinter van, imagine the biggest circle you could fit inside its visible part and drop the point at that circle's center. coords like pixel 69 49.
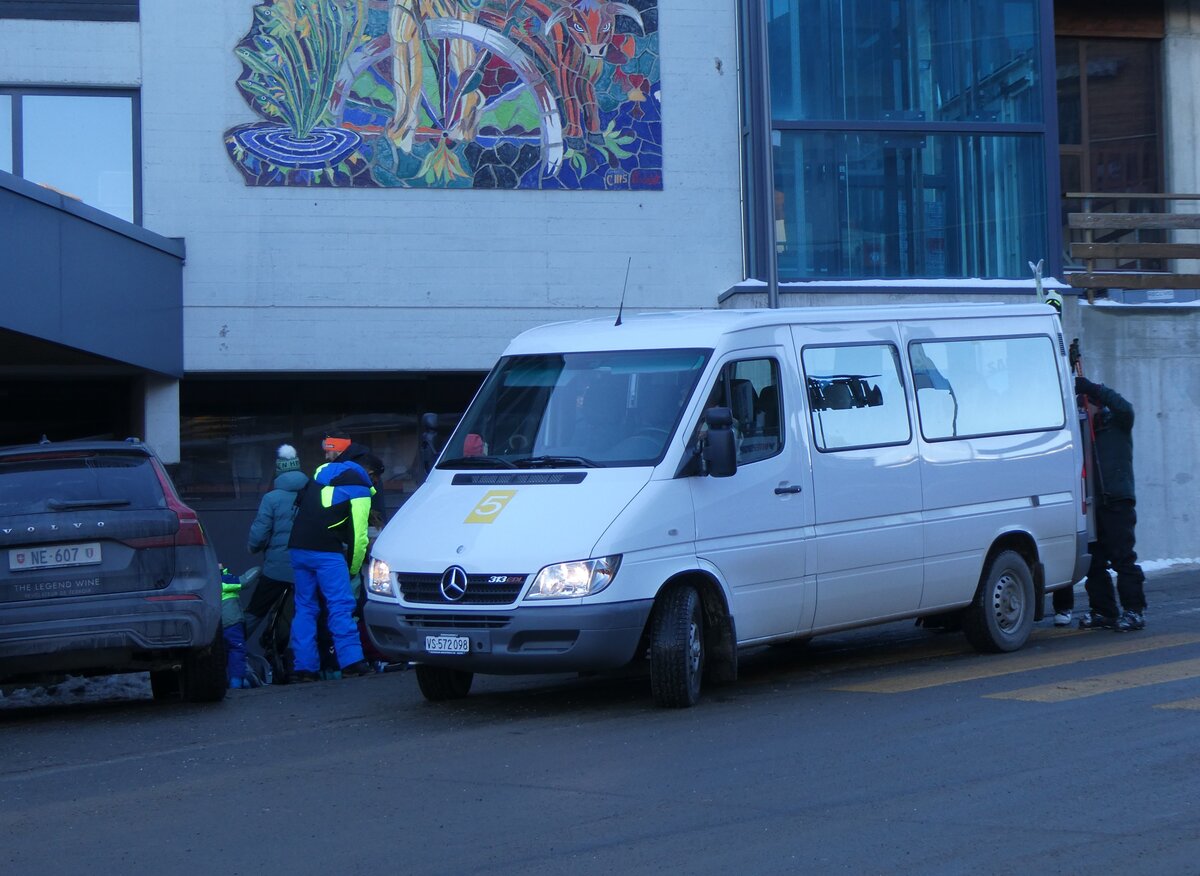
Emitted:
pixel 679 486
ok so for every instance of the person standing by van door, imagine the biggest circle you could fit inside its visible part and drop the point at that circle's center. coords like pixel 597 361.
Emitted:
pixel 327 546
pixel 1115 517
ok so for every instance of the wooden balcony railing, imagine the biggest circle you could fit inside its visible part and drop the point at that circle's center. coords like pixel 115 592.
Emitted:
pixel 1116 237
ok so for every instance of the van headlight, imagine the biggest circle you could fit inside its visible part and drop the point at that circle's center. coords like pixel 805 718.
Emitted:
pixel 379 578
pixel 578 578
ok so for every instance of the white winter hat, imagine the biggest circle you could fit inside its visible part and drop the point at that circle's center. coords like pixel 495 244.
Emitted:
pixel 286 459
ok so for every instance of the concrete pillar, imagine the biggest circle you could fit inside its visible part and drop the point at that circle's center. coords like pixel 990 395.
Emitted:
pixel 1181 113
pixel 160 416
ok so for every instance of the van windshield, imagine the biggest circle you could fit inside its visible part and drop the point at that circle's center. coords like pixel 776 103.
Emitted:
pixel 571 410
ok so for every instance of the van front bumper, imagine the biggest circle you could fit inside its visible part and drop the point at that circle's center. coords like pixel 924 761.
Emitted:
pixel 573 638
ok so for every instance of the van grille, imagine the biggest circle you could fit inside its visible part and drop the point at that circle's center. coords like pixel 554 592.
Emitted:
pixel 456 621
pixel 481 589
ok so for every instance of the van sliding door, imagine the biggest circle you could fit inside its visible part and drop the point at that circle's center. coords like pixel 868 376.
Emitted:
pixel 866 476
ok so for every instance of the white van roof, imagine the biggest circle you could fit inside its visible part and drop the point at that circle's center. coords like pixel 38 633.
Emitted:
pixel 703 328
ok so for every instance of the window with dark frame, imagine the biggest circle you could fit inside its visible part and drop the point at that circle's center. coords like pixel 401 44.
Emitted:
pixel 71 10
pixel 909 138
pixel 82 143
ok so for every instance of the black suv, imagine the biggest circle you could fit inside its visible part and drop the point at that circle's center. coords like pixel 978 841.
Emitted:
pixel 103 570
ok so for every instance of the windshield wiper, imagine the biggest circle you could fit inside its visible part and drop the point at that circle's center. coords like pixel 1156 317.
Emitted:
pixel 64 504
pixel 556 462
pixel 475 462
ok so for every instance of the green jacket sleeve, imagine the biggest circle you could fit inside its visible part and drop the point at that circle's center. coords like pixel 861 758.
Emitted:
pixel 360 512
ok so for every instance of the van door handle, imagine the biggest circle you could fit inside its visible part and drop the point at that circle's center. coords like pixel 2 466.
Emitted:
pixel 794 488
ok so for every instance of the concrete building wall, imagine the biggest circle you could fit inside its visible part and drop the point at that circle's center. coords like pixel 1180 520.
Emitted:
pixel 281 278
pixel 70 53
pixel 1151 355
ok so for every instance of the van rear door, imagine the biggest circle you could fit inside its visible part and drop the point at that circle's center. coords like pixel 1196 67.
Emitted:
pixel 998 446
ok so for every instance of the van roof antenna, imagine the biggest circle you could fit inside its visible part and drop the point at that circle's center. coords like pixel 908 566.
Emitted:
pixel 623 288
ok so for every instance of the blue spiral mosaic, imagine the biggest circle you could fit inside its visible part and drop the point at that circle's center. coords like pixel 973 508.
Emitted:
pixel 323 148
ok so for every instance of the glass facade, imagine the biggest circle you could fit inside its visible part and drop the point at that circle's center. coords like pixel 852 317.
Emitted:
pixel 871 204
pixel 81 145
pixel 230 428
pixel 928 60
pixel 908 138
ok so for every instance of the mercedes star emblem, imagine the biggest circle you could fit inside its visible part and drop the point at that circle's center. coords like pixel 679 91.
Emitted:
pixel 454 584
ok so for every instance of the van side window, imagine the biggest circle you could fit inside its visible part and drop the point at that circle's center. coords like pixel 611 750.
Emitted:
pixel 986 386
pixel 856 396
pixel 750 389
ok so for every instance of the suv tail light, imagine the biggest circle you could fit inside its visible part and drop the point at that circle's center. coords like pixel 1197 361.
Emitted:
pixel 190 531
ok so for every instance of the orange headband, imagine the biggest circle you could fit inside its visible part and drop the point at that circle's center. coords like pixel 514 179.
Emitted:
pixel 338 444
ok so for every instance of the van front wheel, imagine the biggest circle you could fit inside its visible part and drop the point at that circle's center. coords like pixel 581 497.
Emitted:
pixel 677 649
pixel 1001 617
pixel 442 683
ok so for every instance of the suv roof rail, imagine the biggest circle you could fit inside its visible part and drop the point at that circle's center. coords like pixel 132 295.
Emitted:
pixel 133 440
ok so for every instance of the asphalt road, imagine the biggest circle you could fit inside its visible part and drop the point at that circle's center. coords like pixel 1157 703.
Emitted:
pixel 893 750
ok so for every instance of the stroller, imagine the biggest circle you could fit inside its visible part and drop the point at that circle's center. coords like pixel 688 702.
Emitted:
pixel 268 659
pixel 268 648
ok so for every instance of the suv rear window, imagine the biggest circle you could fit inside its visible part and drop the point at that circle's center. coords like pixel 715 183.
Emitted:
pixel 60 483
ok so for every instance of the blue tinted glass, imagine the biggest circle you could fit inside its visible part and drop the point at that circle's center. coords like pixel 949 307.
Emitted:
pixel 874 204
pixel 81 146
pixel 931 60
pixel 6 152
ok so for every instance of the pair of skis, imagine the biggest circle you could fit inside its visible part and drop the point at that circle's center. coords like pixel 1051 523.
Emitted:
pixel 1044 295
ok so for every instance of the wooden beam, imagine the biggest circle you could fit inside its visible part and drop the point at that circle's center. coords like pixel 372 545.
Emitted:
pixel 1135 250
pixel 1148 221
pixel 1131 280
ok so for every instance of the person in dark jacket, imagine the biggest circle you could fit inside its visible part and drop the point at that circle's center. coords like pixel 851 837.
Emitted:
pixel 269 533
pixel 1112 421
pixel 327 546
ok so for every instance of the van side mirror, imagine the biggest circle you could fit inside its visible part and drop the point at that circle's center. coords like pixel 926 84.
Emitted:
pixel 720 452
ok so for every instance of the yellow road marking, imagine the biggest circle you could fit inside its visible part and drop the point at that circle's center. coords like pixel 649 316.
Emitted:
pixel 1010 664
pixel 1193 704
pixel 1077 689
pixel 845 659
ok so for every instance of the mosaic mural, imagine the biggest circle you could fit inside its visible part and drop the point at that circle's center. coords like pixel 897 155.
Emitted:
pixel 510 94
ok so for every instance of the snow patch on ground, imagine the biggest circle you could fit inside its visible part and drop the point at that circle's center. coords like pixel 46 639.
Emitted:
pixel 104 688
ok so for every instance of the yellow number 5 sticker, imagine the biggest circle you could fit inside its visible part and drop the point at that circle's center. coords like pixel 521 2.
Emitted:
pixel 490 506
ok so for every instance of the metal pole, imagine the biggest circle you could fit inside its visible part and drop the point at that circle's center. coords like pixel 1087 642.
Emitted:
pixel 767 156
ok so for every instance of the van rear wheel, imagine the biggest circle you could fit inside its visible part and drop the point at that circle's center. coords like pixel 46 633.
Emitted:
pixel 439 683
pixel 677 649
pixel 1001 617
